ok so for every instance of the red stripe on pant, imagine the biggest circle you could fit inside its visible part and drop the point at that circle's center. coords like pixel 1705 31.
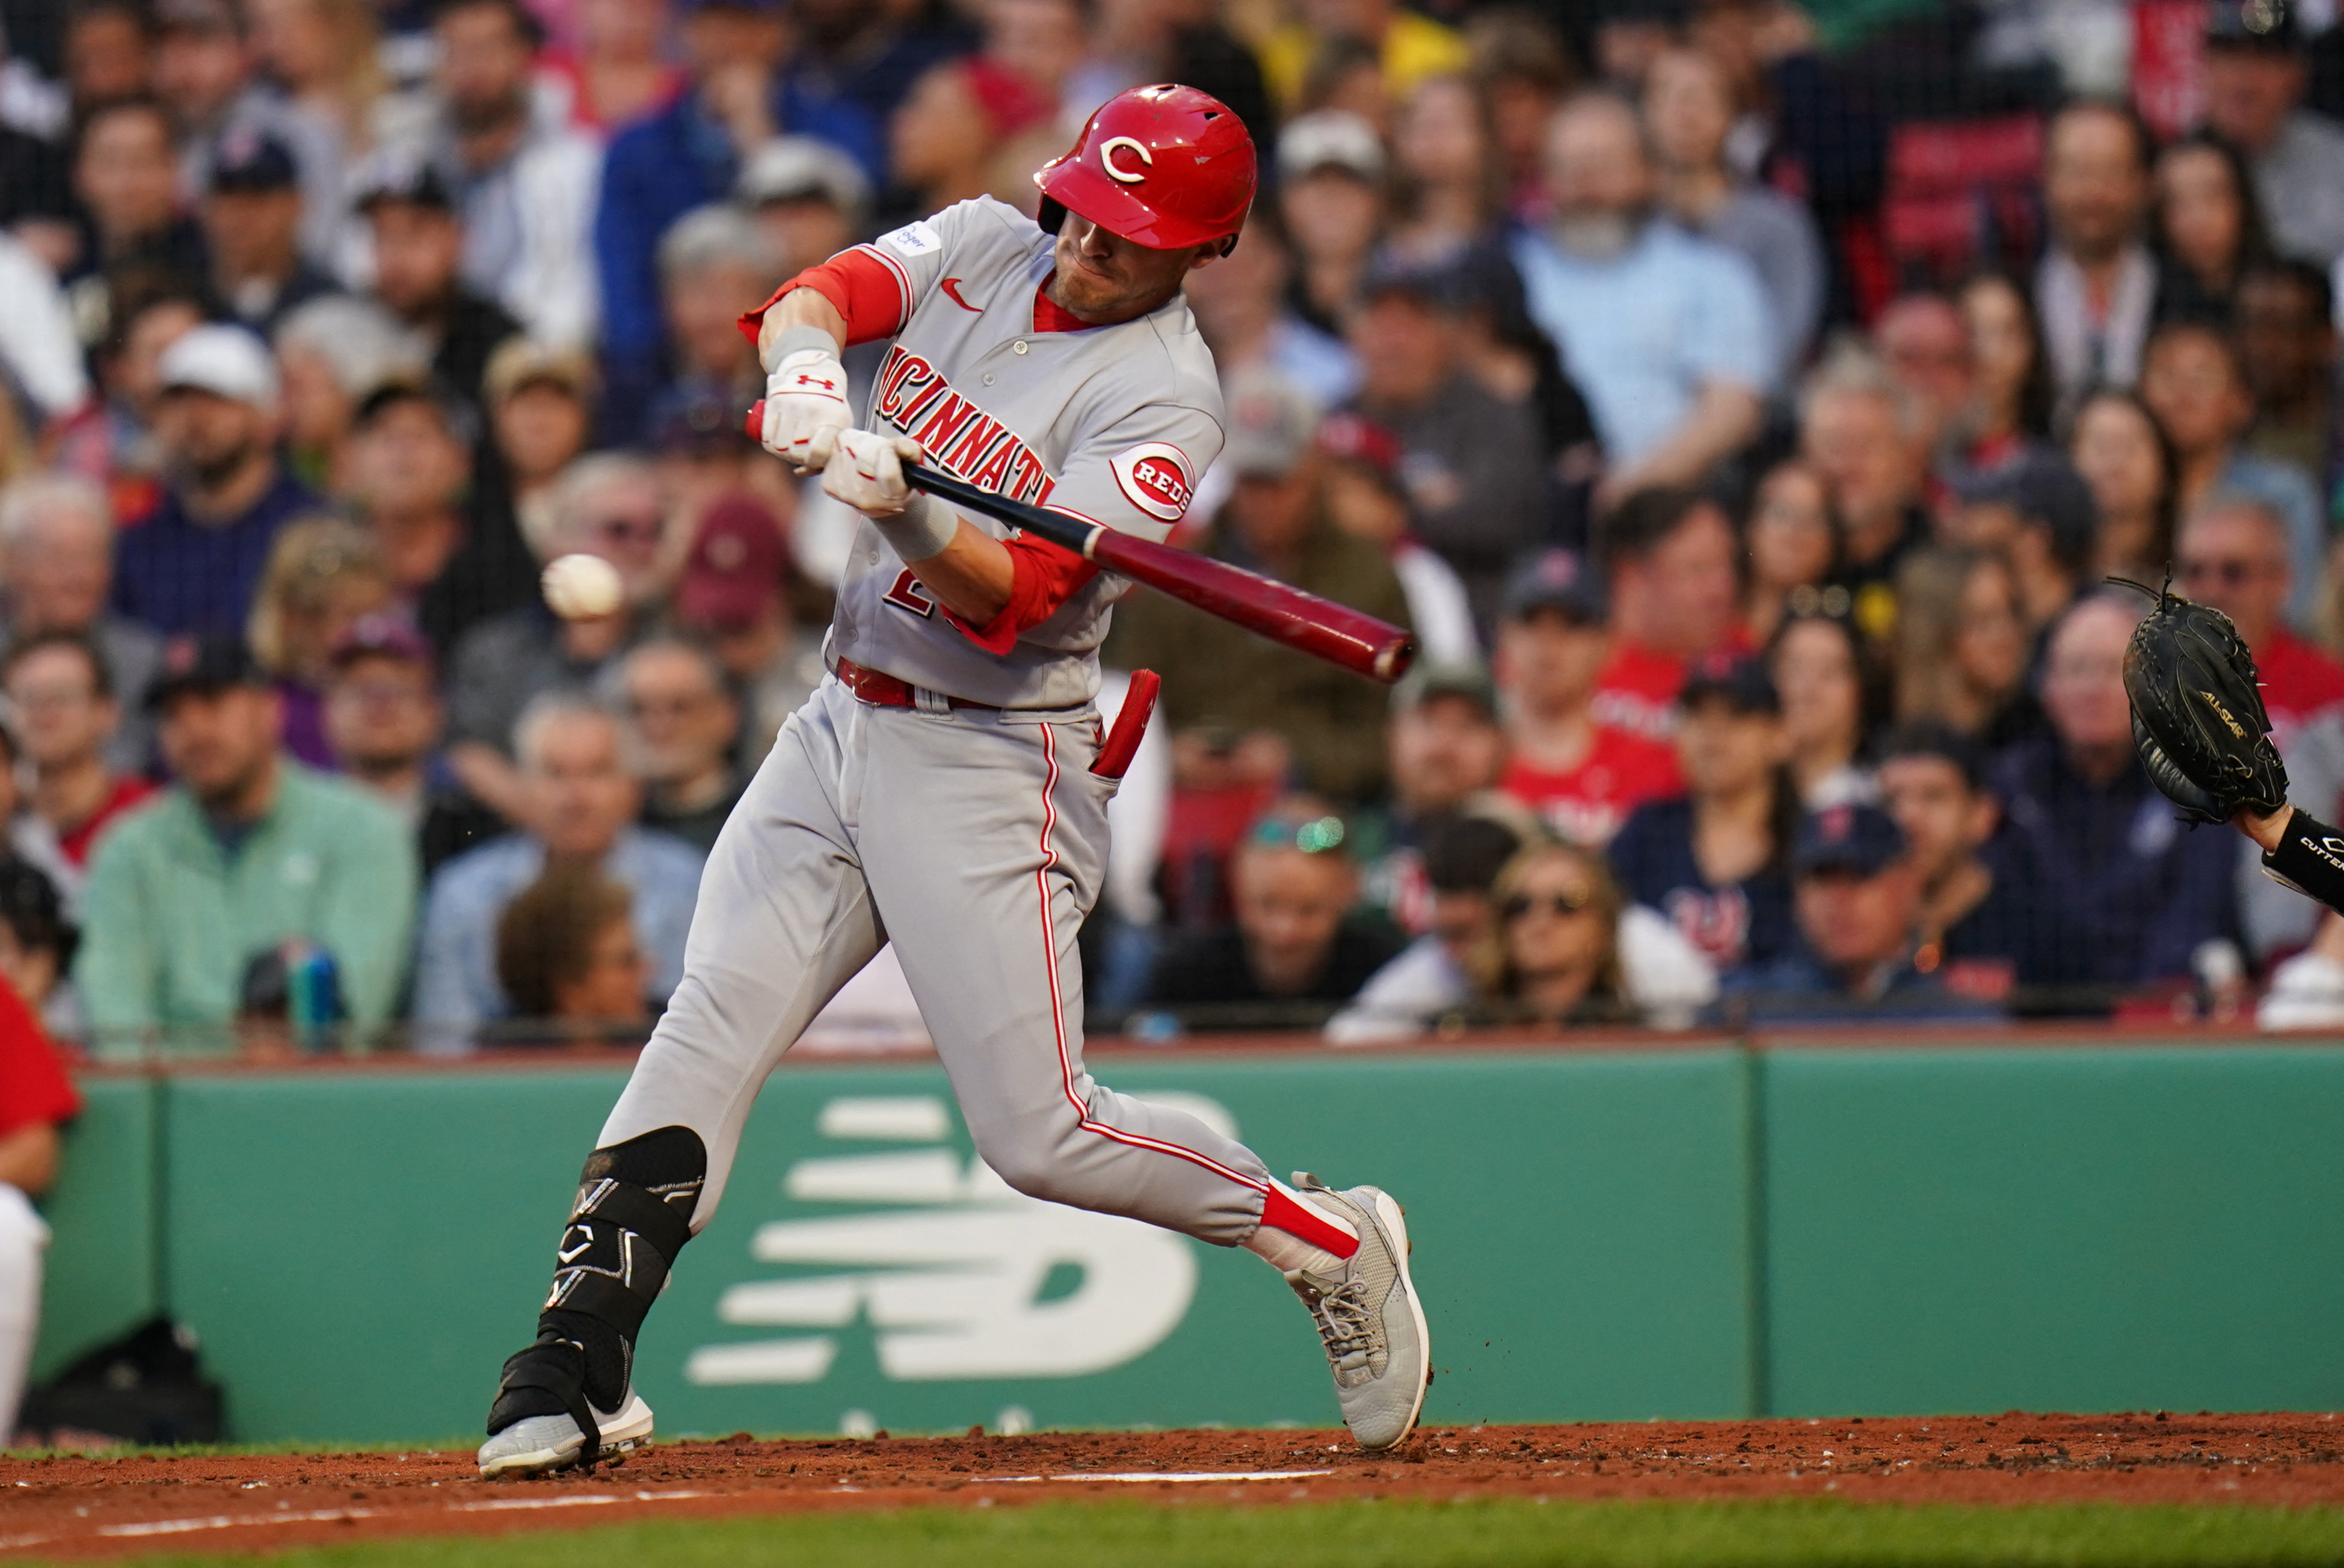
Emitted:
pixel 1057 1003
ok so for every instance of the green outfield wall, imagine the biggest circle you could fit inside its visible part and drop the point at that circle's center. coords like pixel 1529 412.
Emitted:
pixel 1689 1230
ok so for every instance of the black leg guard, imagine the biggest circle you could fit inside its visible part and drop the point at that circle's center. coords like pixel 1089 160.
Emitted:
pixel 632 1216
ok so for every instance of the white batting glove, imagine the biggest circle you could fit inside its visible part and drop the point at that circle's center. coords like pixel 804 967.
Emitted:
pixel 866 472
pixel 805 407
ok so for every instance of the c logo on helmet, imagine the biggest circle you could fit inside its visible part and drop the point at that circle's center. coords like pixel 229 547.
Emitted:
pixel 1107 159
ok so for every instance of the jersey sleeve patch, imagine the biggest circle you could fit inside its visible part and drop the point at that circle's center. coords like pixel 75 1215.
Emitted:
pixel 913 240
pixel 1154 476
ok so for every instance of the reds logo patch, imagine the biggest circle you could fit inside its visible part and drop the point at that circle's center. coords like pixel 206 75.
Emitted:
pixel 1155 478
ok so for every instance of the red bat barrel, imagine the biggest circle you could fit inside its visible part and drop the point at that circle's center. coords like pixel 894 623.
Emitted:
pixel 1319 627
pixel 1335 632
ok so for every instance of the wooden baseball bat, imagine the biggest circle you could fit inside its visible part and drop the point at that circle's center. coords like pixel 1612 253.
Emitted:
pixel 1320 627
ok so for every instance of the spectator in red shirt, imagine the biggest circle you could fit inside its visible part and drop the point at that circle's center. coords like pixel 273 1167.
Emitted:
pixel 2231 552
pixel 36 1099
pixel 1670 555
pixel 1585 776
pixel 67 714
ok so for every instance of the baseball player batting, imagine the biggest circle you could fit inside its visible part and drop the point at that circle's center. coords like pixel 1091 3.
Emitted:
pixel 946 787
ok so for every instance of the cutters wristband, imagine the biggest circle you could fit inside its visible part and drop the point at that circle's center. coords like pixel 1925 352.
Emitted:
pixel 2310 859
pixel 920 530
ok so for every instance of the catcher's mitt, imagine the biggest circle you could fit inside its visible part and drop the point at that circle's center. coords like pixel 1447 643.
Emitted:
pixel 2197 719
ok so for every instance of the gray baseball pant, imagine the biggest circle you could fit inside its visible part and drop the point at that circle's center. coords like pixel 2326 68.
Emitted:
pixel 976 841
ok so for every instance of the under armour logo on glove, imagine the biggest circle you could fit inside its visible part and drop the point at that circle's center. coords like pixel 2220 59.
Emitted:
pixel 805 408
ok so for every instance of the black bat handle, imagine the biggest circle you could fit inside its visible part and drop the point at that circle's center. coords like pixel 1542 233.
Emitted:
pixel 1067 533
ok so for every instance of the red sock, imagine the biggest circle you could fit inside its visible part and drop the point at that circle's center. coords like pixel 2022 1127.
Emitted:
pixel 1302 1220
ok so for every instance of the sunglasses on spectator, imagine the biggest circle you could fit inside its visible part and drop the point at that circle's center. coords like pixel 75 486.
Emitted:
pixel 1570 901
pixel 1316 836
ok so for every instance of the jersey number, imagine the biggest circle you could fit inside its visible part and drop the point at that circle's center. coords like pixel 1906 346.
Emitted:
pixel 906 595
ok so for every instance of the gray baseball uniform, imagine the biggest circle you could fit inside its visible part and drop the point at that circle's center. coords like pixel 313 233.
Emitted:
pixel 974 838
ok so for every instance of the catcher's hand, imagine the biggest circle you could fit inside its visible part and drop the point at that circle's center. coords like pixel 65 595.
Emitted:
pixel 2197 719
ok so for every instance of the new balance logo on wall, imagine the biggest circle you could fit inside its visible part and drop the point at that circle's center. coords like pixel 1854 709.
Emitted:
pixel 958 1276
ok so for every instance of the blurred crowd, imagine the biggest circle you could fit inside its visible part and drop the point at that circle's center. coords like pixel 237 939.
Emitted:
pixel 1745 406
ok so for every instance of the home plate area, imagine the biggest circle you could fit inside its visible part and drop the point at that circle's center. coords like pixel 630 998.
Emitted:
pixel 73 1506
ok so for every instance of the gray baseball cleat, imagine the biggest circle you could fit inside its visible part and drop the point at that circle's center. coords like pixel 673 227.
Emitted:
pixel 538 1444
pixel 1370 1318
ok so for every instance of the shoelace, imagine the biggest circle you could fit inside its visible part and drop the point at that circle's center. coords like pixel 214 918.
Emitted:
pixel 1344 1324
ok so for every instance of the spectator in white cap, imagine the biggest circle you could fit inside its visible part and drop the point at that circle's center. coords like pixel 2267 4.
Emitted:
pixel 1330 193
pixel 193 564
pixel 809 197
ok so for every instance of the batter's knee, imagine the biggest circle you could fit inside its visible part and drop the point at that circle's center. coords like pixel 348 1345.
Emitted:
pixel 1029 1152
pixel 1035 1171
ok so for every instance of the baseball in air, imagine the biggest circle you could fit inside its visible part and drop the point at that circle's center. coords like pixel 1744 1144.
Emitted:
pixel 581 587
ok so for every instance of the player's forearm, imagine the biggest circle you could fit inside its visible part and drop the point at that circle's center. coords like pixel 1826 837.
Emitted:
pixel 799 308
pixel 2302 851
pixel 973 575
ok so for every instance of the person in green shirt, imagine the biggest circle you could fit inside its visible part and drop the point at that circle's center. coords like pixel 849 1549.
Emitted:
pixel 249 851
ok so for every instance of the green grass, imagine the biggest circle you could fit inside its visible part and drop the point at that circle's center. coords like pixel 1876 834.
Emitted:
pixel 1506 1533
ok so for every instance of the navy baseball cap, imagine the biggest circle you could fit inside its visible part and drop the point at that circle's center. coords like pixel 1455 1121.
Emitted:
pixel 1442 286
pixel 403 178
pixel 1862 839
pixel 1739 680
pixel 1558 579
pixel 207 664
pixel 249 160
pixel 2264 25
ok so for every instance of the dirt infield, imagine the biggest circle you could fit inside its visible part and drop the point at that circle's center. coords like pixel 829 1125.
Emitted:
pixel 75 1507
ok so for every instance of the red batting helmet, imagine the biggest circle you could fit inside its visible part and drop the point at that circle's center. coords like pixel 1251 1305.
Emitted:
pixel 1163 166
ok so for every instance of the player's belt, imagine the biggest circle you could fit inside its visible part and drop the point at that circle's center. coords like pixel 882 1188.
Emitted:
pixel 883 689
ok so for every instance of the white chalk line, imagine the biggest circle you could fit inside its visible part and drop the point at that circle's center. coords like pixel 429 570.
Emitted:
pixel 337 1515
pixel 236 1522
pixel 571 1499
pixel 1177 1477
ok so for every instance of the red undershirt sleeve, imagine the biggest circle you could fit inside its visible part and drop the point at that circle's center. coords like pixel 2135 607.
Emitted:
pixel 866 290
pixel 1044 576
